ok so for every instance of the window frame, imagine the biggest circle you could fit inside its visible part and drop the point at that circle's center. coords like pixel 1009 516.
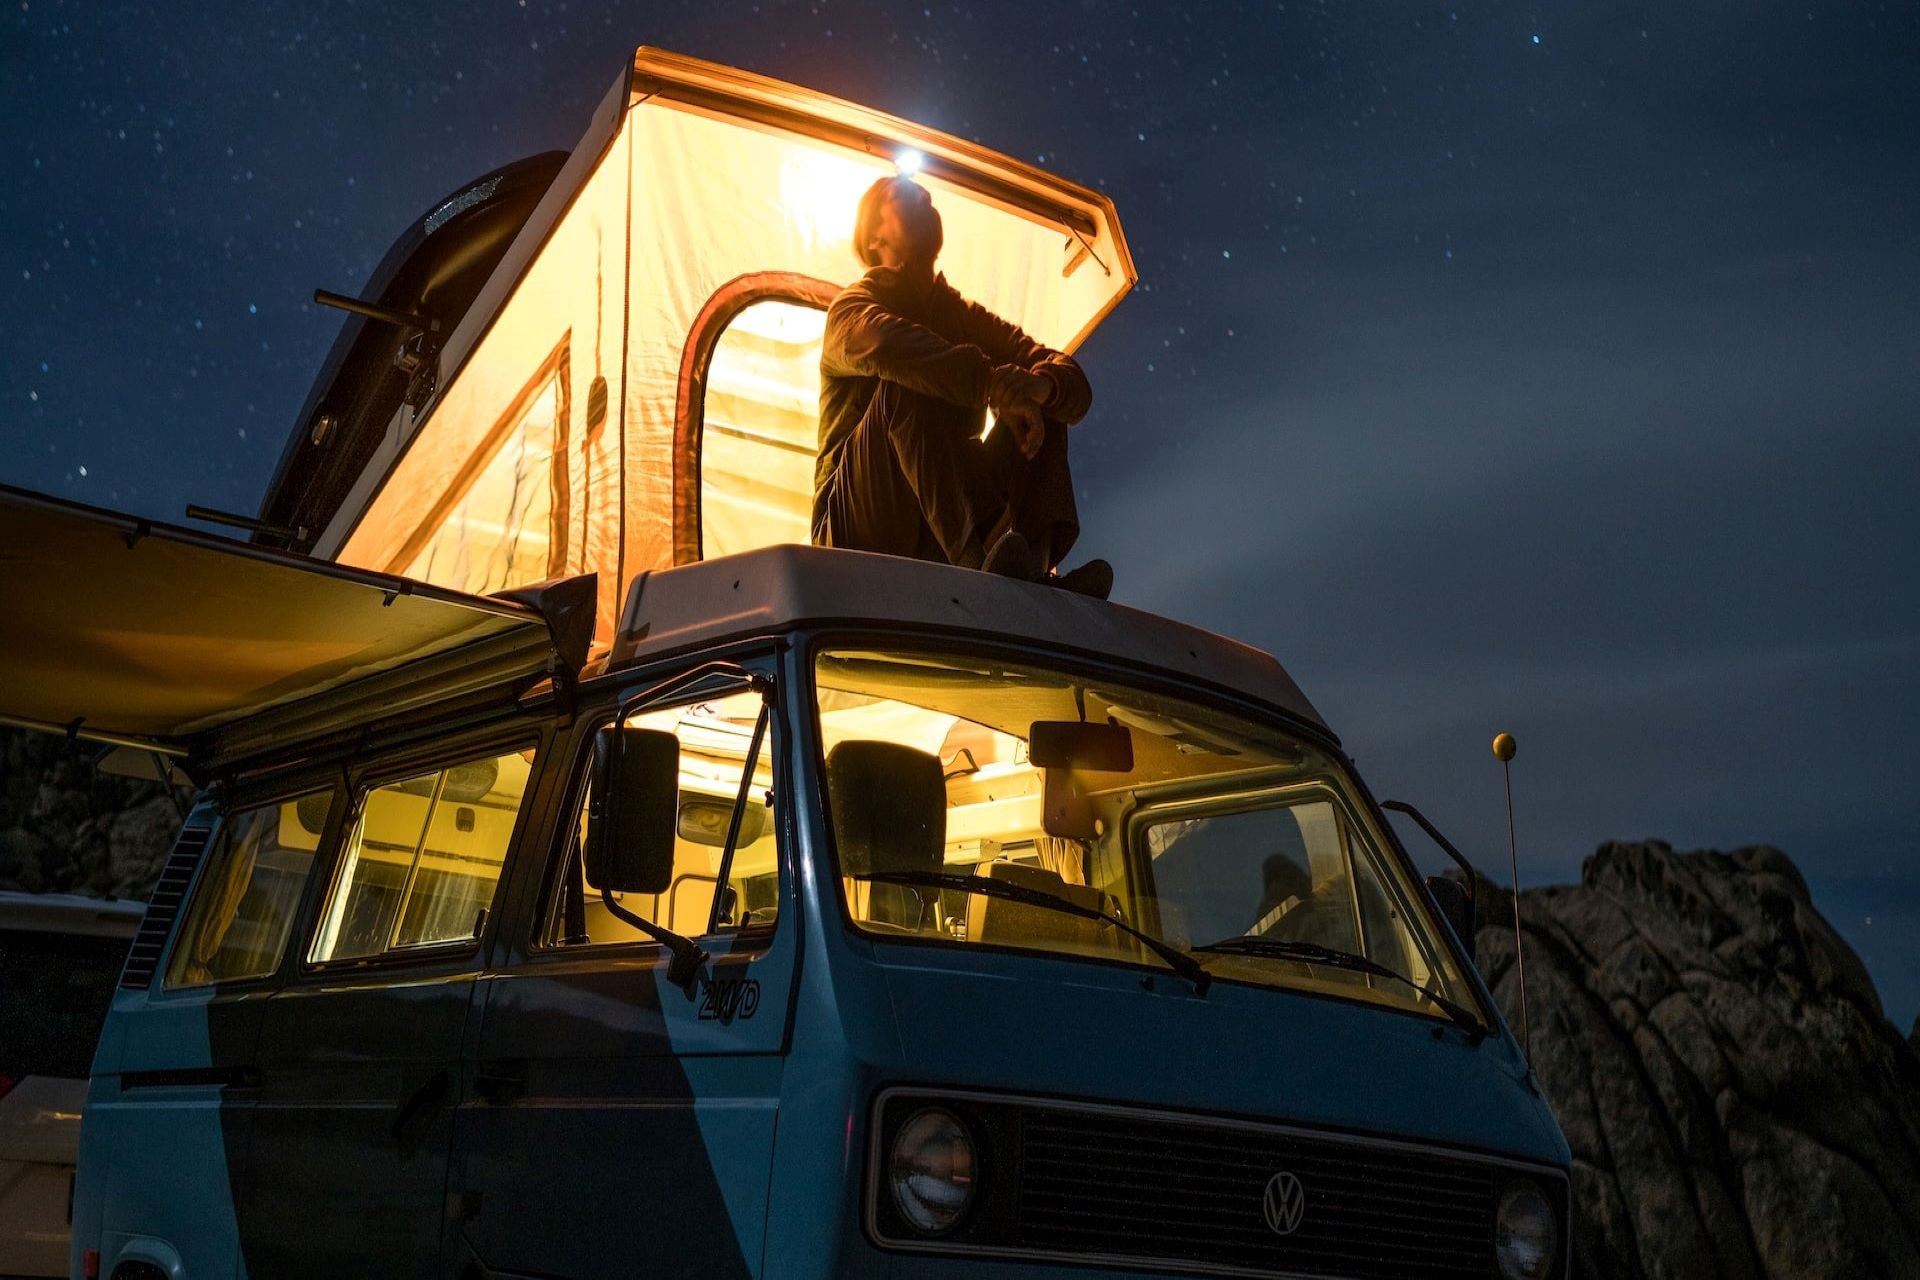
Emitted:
pixel 632 700
pixel 556 367
pixel 950 643
pixel 410 762
pixel 1147 812
pixel 245 801
pixel 690 401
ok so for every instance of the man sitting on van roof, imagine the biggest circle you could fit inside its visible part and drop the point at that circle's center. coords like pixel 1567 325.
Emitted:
pixel 907 370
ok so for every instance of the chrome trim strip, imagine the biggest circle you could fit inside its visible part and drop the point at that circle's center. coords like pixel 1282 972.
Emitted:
pixel 869 1210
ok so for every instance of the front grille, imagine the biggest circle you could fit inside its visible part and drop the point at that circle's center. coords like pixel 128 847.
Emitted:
pixel 1101 1183
pixel 162 906
pixel 1107 1185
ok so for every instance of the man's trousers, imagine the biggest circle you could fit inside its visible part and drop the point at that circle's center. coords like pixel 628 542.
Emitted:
pixel 915 480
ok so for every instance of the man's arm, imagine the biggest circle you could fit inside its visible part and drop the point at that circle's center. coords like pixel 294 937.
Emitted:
pixel 864 339
pixel 1006 343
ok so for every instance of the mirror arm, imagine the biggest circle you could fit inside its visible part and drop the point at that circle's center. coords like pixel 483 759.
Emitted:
pixel 688 955
pixel 1446 845
pixel 739 811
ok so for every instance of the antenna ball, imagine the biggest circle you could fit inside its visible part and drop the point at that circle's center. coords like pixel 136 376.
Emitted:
pixel 1503 747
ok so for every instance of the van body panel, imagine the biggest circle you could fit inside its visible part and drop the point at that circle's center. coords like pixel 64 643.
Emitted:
pixel 776 589
pixel 599 1089
pixel 357 1074
pixel 1097 1032
pixel 165 1138
pixel 1027 1026
pixel 596 1089
pixel 169 1115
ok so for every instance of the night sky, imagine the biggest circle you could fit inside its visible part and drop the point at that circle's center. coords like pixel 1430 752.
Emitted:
pixel 1552 370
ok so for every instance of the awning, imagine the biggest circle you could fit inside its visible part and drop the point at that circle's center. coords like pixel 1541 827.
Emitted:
pixel 120 630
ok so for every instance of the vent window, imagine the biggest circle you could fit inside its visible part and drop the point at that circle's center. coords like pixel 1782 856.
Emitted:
pixel 143 957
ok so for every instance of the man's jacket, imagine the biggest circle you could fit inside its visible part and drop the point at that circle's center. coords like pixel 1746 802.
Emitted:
pixel 941 346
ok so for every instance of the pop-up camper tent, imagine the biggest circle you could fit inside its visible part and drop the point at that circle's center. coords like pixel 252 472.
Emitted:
pixel 637 384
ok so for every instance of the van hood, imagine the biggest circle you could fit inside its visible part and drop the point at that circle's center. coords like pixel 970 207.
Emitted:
pixel 1088 1031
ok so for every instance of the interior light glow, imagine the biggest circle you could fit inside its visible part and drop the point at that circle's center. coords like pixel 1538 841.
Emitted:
pixel 819 191
pixel 908 162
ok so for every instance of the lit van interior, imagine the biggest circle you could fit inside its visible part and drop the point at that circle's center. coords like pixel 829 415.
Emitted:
pixel 1192 826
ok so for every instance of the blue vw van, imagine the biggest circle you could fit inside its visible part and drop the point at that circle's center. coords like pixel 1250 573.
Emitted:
pixel 852 916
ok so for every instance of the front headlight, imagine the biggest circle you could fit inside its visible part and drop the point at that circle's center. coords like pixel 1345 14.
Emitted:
pixel 931 1170
pixel 1525 1238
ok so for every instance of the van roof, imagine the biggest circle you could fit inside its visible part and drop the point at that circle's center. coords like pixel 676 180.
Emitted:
pixel 775 589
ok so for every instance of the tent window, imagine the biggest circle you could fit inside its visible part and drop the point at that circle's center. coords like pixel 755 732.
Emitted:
pixel 762 428
pixel 503 523
pixel 747 427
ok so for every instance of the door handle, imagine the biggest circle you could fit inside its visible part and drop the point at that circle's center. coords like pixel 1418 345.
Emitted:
pixel 422 1101
pixel 501 1081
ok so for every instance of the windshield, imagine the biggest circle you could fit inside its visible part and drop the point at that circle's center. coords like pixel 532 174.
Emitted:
pixel 1199 828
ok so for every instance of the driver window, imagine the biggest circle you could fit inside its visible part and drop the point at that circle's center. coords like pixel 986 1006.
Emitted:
pixel 714 736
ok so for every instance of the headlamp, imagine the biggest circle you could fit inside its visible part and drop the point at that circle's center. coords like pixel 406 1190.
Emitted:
pixel 932 1170
pixel 1525 1237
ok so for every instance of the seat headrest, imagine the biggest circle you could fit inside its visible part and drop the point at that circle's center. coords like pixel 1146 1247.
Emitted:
pixel 889 807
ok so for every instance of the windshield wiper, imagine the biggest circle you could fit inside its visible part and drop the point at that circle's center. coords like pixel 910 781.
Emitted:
pixel 1314 953
pixel 1177 960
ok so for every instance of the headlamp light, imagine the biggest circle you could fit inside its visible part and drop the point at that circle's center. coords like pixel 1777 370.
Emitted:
pixel 1525 1237
pixel 932 1170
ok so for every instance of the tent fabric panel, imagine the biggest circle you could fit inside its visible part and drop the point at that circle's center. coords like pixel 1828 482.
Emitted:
pixel 666 200
pixel 790 109
pixel 554 347
pixel 716 200
pixel 131 630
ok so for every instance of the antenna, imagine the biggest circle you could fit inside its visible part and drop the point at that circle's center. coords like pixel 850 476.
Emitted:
pixel 1503 750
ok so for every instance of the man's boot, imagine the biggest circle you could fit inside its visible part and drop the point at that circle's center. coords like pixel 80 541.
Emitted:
pixel 1094 578
pixel 1011 556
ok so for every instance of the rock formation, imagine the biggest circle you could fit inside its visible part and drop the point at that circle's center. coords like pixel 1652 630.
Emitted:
pixel 65 828
pixel 1737 1103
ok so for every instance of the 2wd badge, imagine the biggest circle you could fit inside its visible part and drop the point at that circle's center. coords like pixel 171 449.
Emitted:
pixel 724 999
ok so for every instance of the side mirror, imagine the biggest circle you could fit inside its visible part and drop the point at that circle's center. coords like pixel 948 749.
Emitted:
pixel 631 815
pixel 1451 897
pixel 1072 744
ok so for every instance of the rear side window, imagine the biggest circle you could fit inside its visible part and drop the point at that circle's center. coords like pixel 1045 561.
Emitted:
pixel 54 992
pixel 421 862
pixel 249 891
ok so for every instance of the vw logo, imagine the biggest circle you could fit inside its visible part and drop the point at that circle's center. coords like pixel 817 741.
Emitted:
pixel 1284 1203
